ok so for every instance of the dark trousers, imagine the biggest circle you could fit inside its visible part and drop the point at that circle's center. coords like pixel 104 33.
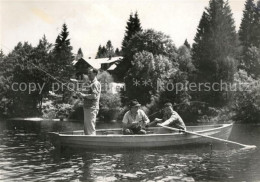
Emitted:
pixel 134 130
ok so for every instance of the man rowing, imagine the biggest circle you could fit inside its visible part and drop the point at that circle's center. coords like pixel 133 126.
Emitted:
pixel 170 118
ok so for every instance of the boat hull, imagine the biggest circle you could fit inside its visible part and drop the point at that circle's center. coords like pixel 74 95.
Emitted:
pixel 159 138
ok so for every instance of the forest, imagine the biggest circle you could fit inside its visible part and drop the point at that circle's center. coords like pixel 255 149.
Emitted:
pixel 217 78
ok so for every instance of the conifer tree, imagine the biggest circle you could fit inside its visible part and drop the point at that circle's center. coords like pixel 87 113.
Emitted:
pixel 246 26
pixel 137 23
pixel 110 49
pixel 249 34
pixel 214 47
pixel 256 26
pixel 80 54
pixel 105 51
pixel 132 28
pixel 252 57
pixel 98 55
pixel 186 43
pixel 117 52
pixel 200 53
pixel 1 54
pixel 62 58
pixel 1 61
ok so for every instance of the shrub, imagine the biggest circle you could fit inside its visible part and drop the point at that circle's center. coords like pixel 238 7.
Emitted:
pixel 48 110
pixel 110 106
pixel 53 110
pixel 105 79
pixel 247 98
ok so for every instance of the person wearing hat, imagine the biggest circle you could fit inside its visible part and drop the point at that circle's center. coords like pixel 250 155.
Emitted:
pixel 135 119
pixel 91 102
pixel 170 118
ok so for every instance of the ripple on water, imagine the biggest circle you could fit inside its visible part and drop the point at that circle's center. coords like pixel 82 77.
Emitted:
pixel 31 158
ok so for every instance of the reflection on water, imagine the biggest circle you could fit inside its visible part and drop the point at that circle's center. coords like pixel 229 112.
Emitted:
pixel 231 165
pixel 27 155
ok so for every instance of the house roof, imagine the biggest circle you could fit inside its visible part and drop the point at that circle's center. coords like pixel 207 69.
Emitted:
pixel 112 67
pixel 96 63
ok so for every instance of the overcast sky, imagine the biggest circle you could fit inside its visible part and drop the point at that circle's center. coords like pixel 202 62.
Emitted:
pixel 94 22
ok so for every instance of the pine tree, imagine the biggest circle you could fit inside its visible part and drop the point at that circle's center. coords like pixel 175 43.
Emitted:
pixel 110 49
pixel 184 60
pixel 103 52
pixel 214 47
pixel 1 54
pixel 214 40
pixel 249 35
pixel 62 42
pixel 252 57
pixel 137 23
pixel 117 52
pixel 79 54
pixel 186 43
pixel 98 55
pixel 200 55
pixel 133 26
pixel 62 58
pixel 246 26
pixel 1 61
pixel 256 26
pixel 128 32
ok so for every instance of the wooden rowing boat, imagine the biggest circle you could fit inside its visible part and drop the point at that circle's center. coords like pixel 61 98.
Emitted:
pixel 155 137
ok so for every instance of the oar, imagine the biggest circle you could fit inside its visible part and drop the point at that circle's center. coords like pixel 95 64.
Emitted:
pixel 205 136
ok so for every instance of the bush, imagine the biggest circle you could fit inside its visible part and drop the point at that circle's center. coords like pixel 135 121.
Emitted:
pixel 63 110
pixel 105 79
pixel 48 110
pixel 247 99
pixel 110 106
pixel 53 110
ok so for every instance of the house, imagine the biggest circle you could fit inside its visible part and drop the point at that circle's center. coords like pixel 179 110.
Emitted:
pixel 106 64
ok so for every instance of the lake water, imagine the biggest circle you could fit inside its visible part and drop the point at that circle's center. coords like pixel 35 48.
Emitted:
pixel 26 154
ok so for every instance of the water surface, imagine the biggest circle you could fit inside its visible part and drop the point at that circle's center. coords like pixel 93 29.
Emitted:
pixel 26 154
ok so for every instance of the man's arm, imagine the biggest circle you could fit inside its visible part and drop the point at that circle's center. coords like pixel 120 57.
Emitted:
pixel 158 120
pixel 125 121
pixel 96 91
pixel 176 119
pixel 154 122
pixel 170 120
pixel 144 117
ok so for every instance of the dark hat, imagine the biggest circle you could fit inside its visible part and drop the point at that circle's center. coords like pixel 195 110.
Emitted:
pixel 134 103
pixel 168 104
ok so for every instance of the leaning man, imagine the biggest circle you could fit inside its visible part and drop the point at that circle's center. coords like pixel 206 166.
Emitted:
pixel 91 103
pixel 170 118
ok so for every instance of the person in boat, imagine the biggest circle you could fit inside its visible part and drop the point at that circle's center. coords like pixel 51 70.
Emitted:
pixel 135 119
pixel 170 118
pixel 91 102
